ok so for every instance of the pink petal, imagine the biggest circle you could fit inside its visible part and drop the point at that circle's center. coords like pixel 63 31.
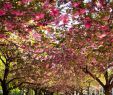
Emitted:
pixel 9 25
pixel 54 12
pixel 38 50
pixel 82 11
pixel 2 36
pixel 2 12
pixel 104 28
pixel 87 25
pixel 36 35
pixel 111 40
pixel 77 13
pixel 39 16
pixel 64 18
pixel 26 1
pixel 76 4
pixel 102 36
pixel 17 13
pixel 7 6
pixel 87 19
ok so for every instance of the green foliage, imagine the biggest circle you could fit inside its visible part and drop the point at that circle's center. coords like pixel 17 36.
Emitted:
pixel 15 92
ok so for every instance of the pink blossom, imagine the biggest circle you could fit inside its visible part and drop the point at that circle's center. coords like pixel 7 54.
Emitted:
pixel 26 1
pixel 111 40
pixel 2 12
pixel 39 24
pixel 82 11
pixel 23 47
pixel 17 13
pixel 77 13
pixel 54 12
pixel 87 19
pixel 76 4
pixel 48 29
pixel 36 36
pixel 38 50
pixel 102 36
pixel 46 5
pixel 9 26
pixel 99 4
pixel 7 6
pixel 65 19
pixel 2 36
pixel 104 28
pixel 39 16
pixel 87 25
pixel 102 2
pixel 105 18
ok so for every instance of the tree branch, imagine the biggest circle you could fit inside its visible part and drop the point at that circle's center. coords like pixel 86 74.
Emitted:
pixel 3 54
pixel 0 80
pixel 14 79
pixel 111 85
pixel 93 76
pixel 106 77
pixel 2 60
pixel 16 86
pixel 6 72
pixel 20 84
pixel 110 78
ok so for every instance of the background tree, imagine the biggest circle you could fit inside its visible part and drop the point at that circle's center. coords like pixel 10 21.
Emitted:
pixel 10 59
pixel 91 40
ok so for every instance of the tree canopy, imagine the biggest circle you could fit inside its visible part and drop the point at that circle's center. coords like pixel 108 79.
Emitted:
pixel 48 42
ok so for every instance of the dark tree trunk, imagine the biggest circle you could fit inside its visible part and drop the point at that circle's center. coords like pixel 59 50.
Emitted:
pixel 72 93
pixel 3 83
pixel 5 91
pixel 52 93
pixel 107 91
pixel 37 92
pixel 88 91
pixel 5 88
pixel 77 92
pixel 81 92
pixel 27 93
pixel 48 93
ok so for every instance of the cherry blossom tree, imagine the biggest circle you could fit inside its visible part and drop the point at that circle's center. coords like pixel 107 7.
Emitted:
pixel 20 25
pixel 91 40
pixel 29 25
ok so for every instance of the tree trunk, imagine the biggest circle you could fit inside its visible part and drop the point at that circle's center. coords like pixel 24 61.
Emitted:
pixel 72 93
pixel 28 91
pixel 5 92
pixel 81 92
pixel 88 91
pixel 48 93
pixel 5 88
pixel 107 91
pixel 37 92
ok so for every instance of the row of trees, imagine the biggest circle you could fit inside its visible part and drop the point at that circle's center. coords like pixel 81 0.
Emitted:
pixel 36 55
